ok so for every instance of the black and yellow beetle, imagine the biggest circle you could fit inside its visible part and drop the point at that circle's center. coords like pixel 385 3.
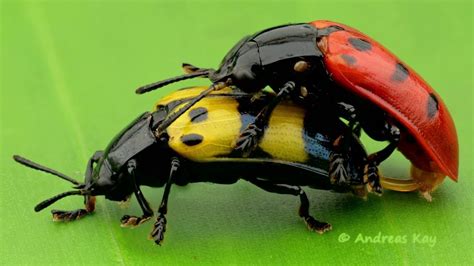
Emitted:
pixel 299 148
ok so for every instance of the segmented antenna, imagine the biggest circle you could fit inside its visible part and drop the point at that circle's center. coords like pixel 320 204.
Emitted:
pixel 39 167
pixel 165 82
pixel 171 118
pixel 52 200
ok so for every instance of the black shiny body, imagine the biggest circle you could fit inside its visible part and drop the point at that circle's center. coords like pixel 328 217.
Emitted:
pixel 137 157
pixel 267 59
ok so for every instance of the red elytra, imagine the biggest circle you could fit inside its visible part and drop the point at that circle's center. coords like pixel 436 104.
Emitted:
pixel 370 71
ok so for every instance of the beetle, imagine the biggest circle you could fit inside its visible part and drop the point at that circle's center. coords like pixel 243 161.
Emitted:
pixel 298 149
pixel 343 71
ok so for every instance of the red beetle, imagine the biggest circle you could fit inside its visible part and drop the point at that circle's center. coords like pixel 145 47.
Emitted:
pixel 380 77
pixel 345 73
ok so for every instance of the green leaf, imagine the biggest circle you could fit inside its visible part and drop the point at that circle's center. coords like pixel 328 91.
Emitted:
pixel 68 74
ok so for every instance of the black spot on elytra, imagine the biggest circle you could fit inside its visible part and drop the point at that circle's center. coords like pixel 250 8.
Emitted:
pixel 360 44
pixel 349 59
pixel 433 106
pixel 198 114
pixel 192 139
pixel 401 73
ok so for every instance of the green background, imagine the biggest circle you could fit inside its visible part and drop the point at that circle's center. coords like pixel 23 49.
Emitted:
pixel 68 72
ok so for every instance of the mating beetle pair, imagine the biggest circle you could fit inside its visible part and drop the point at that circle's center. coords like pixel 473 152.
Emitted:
pixel 338 68
pixel 330 69
pixel 300 148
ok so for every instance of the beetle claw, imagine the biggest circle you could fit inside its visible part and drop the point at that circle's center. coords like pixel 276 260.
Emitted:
pixel 132 221
pixel 337 171
pixel 67 216
pixel 373 180
pixel 427 196
pixel 317 226
pixel 248 140
pixel 159 229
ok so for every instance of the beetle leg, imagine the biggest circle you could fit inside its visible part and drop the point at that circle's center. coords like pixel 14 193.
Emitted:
pixel 373 179
pixel 67 216
pixel 347 111
pixel 357 130
pixel 250 136
pixel 130 220
pixel 372 173
pixel 89 201
pixel 159 228
pixel 337 170
pixel 338 174
pixel 393 133
pixel 340 171
pixel 90 165
pixel 311 222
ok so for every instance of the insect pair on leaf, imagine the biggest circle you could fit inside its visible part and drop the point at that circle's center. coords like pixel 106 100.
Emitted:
pixel 231 131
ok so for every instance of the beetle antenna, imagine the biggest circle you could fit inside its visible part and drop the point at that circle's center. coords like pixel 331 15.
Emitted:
pixel 159 84
pixel 47 202
pixel 171 118
pixel 188 68
pixel 36 166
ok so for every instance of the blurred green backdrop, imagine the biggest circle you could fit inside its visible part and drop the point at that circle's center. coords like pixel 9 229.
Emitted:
pixel 68 72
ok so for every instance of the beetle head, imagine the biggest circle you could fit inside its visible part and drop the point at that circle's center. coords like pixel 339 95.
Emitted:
pixel 99 180
pixel 107 171
pixel 109 174
pixel 242 66
pixel 104 180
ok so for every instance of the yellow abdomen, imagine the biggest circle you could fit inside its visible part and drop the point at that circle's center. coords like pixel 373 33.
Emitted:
pixel 211 127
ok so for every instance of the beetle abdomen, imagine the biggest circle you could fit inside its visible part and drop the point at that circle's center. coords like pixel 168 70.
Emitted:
pixel 209 130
